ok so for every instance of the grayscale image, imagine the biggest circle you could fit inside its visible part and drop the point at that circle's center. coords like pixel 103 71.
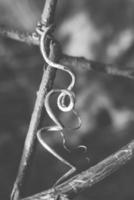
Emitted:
pixel 66 99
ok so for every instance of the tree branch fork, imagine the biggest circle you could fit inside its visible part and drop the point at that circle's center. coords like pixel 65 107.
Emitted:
pixel 73 62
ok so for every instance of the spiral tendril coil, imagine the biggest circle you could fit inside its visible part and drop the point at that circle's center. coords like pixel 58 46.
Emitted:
pixel 43 31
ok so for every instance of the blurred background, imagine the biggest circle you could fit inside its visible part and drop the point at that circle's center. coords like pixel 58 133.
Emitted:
pixel 99 30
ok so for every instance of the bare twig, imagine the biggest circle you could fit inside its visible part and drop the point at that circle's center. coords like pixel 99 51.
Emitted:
pixel 46 84
pixel 89 177
pixel 18 36
pixel 73 62
pixel 95 173
pixel 47 16
pixel 82 64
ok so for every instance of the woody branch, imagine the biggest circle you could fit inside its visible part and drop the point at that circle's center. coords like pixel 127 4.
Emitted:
pixel 47 18
pixel 80 62
pixel 95 173
pixel 89 177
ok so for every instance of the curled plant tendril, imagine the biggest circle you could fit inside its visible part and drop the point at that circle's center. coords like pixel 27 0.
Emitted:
pixel 58 127
pixel 62 105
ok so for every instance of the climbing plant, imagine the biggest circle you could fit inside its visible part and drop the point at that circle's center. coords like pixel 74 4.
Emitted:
pixel 54 59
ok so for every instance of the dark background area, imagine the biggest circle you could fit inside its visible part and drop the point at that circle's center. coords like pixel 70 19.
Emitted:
pixel 100 30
